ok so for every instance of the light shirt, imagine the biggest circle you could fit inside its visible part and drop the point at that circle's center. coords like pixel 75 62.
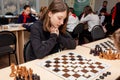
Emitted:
pixel 72 22
pixel 91 19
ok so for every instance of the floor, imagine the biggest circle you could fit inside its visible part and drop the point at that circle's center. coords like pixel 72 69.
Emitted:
pixel 4 60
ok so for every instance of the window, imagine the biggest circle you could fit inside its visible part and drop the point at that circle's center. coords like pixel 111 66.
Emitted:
pixel 10 6
pixel 16 6
pixel 0 7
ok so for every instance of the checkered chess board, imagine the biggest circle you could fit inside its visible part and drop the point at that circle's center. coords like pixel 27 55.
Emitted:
pixel 72 66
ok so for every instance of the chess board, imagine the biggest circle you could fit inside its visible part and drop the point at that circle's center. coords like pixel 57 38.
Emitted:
pixel 104 44
pixel 107 45
pixel 72 66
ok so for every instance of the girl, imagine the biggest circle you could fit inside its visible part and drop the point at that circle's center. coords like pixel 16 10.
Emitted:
pixel 49 34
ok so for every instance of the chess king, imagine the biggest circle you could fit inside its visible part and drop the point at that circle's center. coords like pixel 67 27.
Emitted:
pixel 116 39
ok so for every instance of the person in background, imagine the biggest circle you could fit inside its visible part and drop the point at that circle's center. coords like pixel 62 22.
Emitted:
pixel 104 6
pixel 26 16
pixel 43 10
pixel 73 21
pixel 116 16
pixel 91 20
pixel 48 35
pixel 103 15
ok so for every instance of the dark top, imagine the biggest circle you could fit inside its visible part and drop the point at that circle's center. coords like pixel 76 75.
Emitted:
pixel 28 19
pixel 117 17
pixel 43 43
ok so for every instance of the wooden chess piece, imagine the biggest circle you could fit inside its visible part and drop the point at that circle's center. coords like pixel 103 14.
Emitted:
pixel 101 55
pixel 109 54
pixel 105 55
pixel 30 73
pixel 26 75
pixel 12 66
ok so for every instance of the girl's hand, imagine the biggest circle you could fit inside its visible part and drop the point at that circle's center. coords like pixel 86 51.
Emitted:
pixel 54 30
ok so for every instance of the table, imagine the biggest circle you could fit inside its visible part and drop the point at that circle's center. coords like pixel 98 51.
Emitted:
pixel 93 44
pixel 8 19
pixel 46 75
pixel 18 30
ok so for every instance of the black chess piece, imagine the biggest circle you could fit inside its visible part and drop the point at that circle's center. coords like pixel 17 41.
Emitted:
pixel 101 77
pixel 56 61
pixel 47 65
pixel 35 77
pixel 79 56
pixel 118 78
pixel 72 59
pixel 104 74
pixel 71 53
pixel 56 70
pixel 91 51
pixel 108 73
pixel 48 61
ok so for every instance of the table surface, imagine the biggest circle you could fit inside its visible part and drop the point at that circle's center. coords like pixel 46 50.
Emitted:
pixel 12 27
pixel 46 75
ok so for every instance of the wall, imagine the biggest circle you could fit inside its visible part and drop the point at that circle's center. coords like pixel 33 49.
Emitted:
pixel 111 3
pixel 95 4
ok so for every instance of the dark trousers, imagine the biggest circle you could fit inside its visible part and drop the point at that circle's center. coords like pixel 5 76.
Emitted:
pixel 85 34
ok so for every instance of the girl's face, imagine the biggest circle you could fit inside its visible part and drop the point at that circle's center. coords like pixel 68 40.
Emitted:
pixel 27 11
pixel 57 19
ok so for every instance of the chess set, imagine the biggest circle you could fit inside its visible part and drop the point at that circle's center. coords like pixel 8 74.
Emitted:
pixel 105 50
pixel 73 66
pixel 22 73
pixel 106 45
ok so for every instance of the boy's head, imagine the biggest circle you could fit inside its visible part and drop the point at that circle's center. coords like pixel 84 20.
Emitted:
pixel 27 9
pixel 103 11
pixel 105 3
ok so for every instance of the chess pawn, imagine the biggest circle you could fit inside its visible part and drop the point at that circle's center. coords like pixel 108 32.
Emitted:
pixel 22 71
pixel 26 75
pixel 109 54
pixel 117 56
pixel 105 55
pixel 30 73
pixel 101 55
pixel 12 74
pixel 114 56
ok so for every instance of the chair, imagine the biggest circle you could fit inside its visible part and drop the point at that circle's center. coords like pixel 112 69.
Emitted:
pixel 27 51
pixel 8 44
pixel 77 30
pixel 97 32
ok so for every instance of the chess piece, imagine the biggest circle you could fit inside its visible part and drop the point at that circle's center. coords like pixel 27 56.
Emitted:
pixel 30 73
pixel 101 77
pixel 101 55
pixel 12 74
pixel 26 75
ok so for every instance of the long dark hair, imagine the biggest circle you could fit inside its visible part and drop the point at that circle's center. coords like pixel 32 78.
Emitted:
pixel 87 10
pixel 54 7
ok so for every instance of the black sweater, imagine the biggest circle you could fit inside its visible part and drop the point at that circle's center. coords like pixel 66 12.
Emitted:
pixel 43 43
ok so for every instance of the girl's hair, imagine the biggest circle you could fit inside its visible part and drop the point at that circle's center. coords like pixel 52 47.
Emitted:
pixel 87 10
pixel 43 10
pixel 116 39
pixel 55 7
